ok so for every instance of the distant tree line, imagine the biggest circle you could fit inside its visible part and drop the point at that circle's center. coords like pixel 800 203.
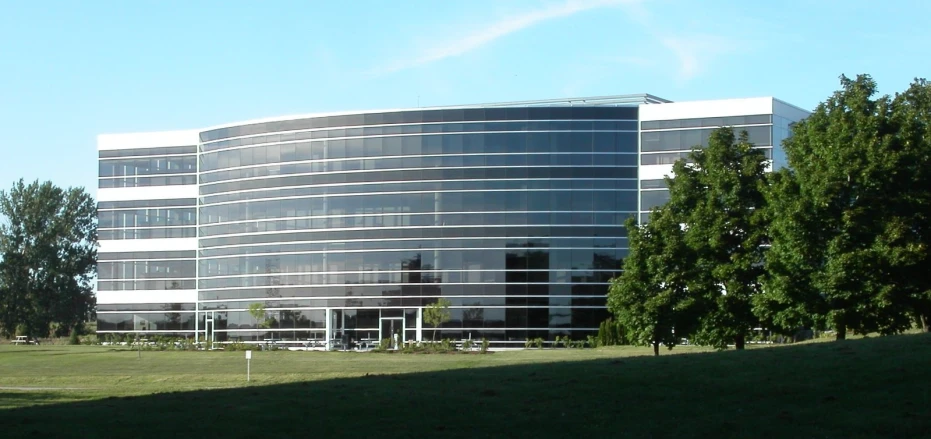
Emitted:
pixel 48 259
pixel 837 241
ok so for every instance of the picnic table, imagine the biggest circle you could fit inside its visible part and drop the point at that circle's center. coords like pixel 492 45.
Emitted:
pixel 20 339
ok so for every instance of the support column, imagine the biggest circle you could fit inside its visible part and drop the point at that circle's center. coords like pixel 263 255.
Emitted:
pixel 196 320
pixel 419 325
pixel 329 328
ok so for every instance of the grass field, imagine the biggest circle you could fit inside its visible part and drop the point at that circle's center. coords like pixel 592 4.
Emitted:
pixel 876 387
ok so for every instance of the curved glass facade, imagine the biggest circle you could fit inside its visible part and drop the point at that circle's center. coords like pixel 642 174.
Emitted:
pixel 352 224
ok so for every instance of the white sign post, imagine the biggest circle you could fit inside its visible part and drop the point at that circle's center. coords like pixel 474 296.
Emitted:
pixel 248 368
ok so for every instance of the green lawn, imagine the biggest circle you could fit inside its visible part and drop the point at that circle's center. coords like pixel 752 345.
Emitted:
pixel 876 387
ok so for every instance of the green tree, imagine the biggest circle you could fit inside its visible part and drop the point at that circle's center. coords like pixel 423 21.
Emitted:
pixel 841 228
pixel 48 257
pixel 908 235
pixel 718 200
pixel 650 297
pixel 437 313
pixel 257 311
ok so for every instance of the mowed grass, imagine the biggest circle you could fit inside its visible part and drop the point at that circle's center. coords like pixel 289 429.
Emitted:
pixel 876 387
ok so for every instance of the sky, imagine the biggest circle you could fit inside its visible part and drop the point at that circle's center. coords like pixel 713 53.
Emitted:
pixel 70 70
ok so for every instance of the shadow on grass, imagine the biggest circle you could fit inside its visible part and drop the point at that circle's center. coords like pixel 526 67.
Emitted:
pixel 861 388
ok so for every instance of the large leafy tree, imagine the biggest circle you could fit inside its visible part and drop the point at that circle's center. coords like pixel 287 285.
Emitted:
pixel 906 236
pixel 650 296
pixel 694 269
pixel 48 246
pixel 724 216
pixel 843 224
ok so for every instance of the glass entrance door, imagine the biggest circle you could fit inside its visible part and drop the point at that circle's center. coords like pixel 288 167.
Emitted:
pixel 392 329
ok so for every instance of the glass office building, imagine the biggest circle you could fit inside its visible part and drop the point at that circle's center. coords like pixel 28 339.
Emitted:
pixel 351 223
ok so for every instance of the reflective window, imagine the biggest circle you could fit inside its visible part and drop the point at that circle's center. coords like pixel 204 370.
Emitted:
pixel 707 122
pixel 148 166
pixel 651 199
pixel 687 139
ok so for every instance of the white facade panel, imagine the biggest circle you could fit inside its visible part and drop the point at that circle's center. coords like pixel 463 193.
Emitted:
pixel 701 109
pixel 154 296
pixel 147 193
pixel 143 245
pixel 655 172
pixel 148 140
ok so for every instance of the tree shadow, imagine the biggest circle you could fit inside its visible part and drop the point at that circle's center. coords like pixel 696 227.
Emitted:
pixel 857 388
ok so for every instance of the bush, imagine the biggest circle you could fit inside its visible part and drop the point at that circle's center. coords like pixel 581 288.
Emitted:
pixel 485 345
pixel 237 346
pixel 446 345
pixel 467 345
pixel 591 341
pixel 611 333
pixel 383 345
pixel 73 339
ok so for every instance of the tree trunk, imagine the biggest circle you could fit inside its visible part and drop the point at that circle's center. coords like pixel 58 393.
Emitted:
pixel 655 349
pixel 841 331
pixel 923 319
pixel 739 342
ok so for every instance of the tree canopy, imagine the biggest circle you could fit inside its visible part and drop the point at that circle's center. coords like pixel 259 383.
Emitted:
pixel 839 240
pixel 48 246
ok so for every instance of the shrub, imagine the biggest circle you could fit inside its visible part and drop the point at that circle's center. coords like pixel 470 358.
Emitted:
pixel 446 345
pixel 73 339
pixel 383 345
pixel 591 341
pixel 236 346
pixel 485 344
pixel 467 345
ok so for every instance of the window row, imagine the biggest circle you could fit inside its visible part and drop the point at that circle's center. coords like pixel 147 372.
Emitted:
pixel 757 119
pixel 165 269
pixel 458 294
pixel 431 277
pixel 500 173
pixel 148 166
pixel 169 321
pixel 427 186
pixel 627 113
pixel 456 301
pixel 423 220
pixel 361 324
pixel 178 202
pixel 473 260
pixel 150 233
pixel 422 245
pixel 687 139
pixel 651 199
pixel 421 233
pixel 107 183
pixel 445 161
pixel 150 285
pixel 453 144
pixel 175 216
pixel 431 130
pixel 420 203
pixel 146 307
pixel 670 158
pixel 119 256
pixel 162 150
pixel 653 184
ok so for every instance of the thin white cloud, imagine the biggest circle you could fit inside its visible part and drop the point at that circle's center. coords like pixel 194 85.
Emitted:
pixel 694 53
pixel 691 53
pixel 498 30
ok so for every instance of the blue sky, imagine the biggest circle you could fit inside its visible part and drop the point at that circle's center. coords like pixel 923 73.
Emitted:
pixel 70 70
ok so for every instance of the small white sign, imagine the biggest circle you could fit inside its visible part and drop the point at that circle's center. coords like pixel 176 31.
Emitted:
pixel 248 355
